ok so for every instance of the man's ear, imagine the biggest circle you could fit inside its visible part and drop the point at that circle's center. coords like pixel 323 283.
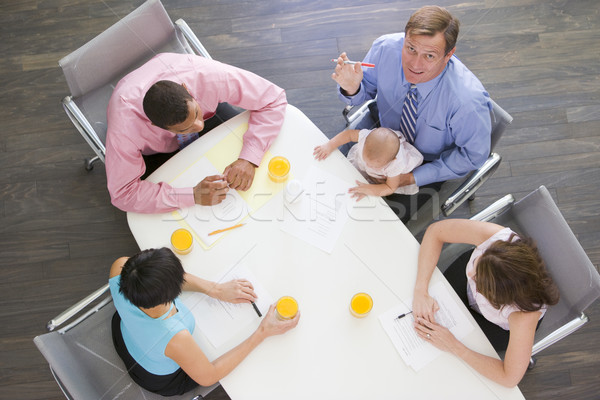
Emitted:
pixel 450 54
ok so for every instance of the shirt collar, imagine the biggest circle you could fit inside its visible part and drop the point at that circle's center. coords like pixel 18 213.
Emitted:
pixel 426 87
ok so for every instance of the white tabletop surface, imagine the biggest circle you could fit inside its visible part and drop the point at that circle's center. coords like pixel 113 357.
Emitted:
pixel 330 354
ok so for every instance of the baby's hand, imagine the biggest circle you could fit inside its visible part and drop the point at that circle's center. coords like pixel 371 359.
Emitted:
pixel 360 191
pixel 322 152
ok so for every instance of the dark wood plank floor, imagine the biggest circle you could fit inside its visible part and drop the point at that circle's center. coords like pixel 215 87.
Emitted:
pixel 539 59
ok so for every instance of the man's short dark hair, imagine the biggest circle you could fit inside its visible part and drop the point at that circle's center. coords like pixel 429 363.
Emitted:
pixel 429 20
pixel 166 104
pixel 152 277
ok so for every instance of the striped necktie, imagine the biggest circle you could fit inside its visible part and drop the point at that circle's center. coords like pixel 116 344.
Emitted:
pixel 184 139
pixel 408 120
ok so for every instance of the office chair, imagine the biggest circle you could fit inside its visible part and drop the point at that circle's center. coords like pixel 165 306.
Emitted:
pixel 538 217
pixel 93 70
pixel 82 357
pixel 453 193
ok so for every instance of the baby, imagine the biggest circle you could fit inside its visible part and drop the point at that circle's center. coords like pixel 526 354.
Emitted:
pixel 381 156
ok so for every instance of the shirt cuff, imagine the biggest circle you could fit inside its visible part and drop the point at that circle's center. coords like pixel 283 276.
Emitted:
pixel 184 197
pixel 251 154
pixel 424 175
pixel 354 100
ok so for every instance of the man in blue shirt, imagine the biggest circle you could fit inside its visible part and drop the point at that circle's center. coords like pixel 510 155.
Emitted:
pixel 453 124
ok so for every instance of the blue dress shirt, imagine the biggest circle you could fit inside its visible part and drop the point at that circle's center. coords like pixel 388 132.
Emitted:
pixel 453 129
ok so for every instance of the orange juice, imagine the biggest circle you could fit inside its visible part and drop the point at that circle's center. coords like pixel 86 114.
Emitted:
pixel 182 241
pixel 279 169
pixel 287 308
pixel 360 305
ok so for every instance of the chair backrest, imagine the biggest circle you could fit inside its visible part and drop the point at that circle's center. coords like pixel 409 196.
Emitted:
pixel 86 365
pixel 538 217
pixel 93 70
pixel 500 120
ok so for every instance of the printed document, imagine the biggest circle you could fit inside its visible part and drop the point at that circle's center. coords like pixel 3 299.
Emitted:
pixel 416 352
pixel 319 214
pixel 219 321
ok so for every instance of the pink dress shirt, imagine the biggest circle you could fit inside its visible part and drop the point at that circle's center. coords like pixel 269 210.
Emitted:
pixel 476 300
pixel 130 134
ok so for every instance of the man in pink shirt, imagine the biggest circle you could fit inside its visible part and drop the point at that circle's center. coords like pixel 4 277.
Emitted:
pixel 196 85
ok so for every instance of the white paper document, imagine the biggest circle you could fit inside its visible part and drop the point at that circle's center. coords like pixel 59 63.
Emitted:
pixel 219 321
pixel 320 213
pixel 206 219
pixel 416 352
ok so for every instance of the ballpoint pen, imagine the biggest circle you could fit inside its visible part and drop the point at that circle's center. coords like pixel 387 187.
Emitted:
pixel 356 62
pixel 403 315
pixel 256 309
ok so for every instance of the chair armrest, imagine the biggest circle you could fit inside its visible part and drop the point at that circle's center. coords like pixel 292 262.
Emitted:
pixel 77 308
pixel 192 39
pixel 355 113
pixel 83 126
pixel 560 333
pixel 495 209
pixel 468 188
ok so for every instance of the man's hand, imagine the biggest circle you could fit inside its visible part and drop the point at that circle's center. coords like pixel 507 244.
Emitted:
pixel 348 76
pixel 240 174
pixel 211 190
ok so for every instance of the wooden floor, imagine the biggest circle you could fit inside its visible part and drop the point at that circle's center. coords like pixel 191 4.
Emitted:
pixel 539 59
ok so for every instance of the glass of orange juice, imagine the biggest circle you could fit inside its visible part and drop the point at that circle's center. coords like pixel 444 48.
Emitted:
pixel 182 241
pixel 360 305
pixel 287 308
pixel 279 169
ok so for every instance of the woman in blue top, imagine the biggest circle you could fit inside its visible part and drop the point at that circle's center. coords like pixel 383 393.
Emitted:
pixel 152 329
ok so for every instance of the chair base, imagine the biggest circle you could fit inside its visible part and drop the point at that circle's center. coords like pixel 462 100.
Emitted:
pixel 89 163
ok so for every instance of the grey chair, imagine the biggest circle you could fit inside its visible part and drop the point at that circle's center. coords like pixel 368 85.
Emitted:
pixel 93 70
pixel 455 192
pixel 82 357
pixel 538 217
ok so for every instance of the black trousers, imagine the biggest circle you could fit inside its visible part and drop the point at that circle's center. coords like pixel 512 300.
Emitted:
pixel 223 113
pixel 455 274
pixel 173 384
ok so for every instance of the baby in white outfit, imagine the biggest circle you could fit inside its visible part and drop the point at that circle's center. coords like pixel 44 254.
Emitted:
pixel 381 155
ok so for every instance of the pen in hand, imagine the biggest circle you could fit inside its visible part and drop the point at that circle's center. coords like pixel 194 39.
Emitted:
pixel 256 309
pixel 403 315
pixel 368 65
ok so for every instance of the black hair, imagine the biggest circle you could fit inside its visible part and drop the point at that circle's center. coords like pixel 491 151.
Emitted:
pixel 166 104
pixel 152 277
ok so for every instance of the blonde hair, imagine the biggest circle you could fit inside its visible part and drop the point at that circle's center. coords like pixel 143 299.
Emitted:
pixel 381 142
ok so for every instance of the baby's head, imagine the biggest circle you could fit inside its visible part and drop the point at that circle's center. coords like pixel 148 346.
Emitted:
pixel 381 147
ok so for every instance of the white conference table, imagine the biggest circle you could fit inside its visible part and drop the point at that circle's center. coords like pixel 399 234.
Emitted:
pixel 330 354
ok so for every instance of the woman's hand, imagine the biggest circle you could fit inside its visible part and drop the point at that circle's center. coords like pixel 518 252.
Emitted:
pixel 437 335
pixel 271 325
pixel 424 306
pixel 234 291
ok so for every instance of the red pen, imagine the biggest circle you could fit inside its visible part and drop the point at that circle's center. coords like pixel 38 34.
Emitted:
pixel 356 62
